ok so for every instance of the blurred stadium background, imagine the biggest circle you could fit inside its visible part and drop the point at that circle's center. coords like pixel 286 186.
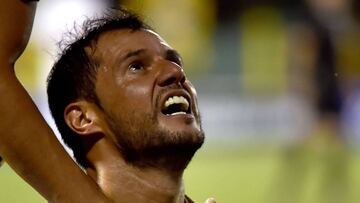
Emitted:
pixel 279 91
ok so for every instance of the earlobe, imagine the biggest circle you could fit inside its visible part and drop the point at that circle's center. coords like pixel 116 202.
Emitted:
pixel 82 118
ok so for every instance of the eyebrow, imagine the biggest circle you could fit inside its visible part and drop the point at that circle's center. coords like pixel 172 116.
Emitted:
pixel 169 54
pixel 133 53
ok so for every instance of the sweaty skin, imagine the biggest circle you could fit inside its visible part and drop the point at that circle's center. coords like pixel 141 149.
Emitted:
pixel 26 142
pixel 138 72
pixel 30 147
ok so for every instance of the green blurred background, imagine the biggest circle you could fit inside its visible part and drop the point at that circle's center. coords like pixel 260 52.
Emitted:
pixel 278 84
pixel 230 175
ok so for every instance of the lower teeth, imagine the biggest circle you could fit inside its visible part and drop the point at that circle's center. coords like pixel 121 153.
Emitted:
pixel 177 113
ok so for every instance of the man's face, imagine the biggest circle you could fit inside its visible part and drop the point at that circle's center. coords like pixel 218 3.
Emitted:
pixel 148 103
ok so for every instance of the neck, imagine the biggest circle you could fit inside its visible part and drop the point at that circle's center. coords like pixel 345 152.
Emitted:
pixel 123 182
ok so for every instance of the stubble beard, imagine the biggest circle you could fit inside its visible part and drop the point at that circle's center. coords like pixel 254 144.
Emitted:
pixel 142 143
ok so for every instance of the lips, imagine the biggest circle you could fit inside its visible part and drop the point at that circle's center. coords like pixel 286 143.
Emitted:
pixel 176 103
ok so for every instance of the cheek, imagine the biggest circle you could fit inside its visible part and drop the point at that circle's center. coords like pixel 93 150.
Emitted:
pixel 191 89
pixel 137 95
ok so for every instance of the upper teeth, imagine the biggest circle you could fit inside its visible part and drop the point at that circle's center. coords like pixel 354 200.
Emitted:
pixel 177 100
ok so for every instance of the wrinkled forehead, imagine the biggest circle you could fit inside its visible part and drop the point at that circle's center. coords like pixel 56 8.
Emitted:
pixel 116 43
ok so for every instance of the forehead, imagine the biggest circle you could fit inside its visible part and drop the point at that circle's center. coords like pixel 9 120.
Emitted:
pixel 120 42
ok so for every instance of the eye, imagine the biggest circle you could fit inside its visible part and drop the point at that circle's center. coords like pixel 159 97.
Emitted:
pixel 136 66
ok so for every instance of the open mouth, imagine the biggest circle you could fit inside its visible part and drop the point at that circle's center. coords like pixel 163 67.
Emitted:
pixel 176 105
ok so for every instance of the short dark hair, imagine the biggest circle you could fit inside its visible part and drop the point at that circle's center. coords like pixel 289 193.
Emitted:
pixel 73 75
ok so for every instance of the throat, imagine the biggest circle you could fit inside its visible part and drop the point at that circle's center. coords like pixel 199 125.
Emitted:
pixel 173 159
pixel 125 183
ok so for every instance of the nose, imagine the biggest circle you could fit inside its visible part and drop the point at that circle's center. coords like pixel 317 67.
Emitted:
pixel 171 73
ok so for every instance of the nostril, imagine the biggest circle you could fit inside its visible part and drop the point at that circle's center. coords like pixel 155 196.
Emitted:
pixel 182 81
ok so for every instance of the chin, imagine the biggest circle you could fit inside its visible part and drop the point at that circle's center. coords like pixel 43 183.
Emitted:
pixel 180 124
pixel 184 143
pixel 164 141
pixel 171 150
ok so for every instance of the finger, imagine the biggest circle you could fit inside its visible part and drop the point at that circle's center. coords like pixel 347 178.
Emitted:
pixel 210 200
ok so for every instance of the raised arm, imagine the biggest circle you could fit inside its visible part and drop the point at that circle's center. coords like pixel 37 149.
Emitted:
pixel 27 144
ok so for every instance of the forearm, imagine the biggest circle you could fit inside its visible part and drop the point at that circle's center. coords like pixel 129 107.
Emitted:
pixel 29 146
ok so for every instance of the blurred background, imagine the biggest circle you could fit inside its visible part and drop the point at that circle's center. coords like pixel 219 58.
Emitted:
pixel 278 84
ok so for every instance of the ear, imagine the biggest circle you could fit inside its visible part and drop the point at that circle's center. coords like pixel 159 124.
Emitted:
pixel 82 117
